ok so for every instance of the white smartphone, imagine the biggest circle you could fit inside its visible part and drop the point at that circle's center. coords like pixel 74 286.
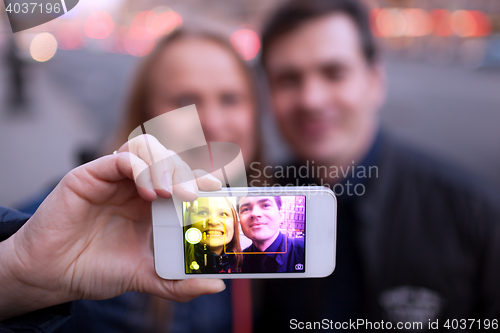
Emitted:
pixel 247 233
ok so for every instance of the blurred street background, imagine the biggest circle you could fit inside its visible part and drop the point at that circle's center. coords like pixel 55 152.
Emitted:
pixel 64 84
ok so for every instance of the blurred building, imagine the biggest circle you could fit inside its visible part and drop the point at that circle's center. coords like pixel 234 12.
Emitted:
pixel 439 31
pixel 293 210
pixel 78 68
pixel 250 12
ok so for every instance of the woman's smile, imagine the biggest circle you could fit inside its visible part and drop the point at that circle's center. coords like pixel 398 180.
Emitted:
pixel 213 233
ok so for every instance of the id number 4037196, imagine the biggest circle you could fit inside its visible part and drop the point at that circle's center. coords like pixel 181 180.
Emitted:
pixel 33 7
pixel 471 324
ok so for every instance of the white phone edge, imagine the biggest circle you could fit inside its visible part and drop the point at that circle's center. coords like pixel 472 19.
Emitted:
pixel 320 240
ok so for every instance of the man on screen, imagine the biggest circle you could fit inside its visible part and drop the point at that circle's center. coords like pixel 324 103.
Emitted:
pixel 271 251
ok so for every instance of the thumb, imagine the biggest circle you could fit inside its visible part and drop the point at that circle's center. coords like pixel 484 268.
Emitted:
pixel 186 290
pixel 178 290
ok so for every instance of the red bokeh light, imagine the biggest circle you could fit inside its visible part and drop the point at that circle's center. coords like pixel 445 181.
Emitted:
pixel 442 22
pixel 246 42
pixel 139 40
pixel 164 23
pixel 136 46
pixel 391 22
pixel 99 25
pixel 373 22
pixel 418 22
pixel 470 23
pixel 140 18
pixel 463 23
pixel 70 36
pixel 484 27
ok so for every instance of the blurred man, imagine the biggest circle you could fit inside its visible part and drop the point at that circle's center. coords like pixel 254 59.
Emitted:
pixel 419 241
pixel 271 251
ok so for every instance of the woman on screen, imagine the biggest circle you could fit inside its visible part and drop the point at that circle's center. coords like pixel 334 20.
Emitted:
pixel 211 242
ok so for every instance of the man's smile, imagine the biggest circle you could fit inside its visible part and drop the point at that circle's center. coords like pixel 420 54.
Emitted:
pixel 257 224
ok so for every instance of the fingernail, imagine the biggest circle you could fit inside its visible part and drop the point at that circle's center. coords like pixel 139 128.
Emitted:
pixel 189 187
pixel 213 178
pixel 223 286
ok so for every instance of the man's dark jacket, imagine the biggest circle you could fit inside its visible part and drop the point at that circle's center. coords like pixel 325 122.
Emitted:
pixel 428 238
pixel 281 256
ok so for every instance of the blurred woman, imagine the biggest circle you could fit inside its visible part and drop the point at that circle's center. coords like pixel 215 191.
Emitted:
pixel 185 68
pixel 219 249
pixel 196 67
pixel 202 69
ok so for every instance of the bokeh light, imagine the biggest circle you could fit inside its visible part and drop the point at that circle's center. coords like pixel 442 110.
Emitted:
pixel 463 23
pixel 391 22
pixel 137 46
pixel 442 22
pixel 470 23
pixel 70 36
pixel 418 22
pixel 373 21
pixel 43 47
pixel 139 20
pixel 484 25
pixel 139 40
pixel 163 23
pixel 99 25
pixel 246 42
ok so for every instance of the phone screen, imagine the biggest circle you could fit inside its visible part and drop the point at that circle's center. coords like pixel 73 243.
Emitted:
pixel 253 234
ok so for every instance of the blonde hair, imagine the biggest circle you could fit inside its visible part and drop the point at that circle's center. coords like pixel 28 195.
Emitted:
pixel 233 246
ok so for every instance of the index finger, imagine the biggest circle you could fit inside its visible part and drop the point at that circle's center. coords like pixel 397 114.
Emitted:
pixel 164 169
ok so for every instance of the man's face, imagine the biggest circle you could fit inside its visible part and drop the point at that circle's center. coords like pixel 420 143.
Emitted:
pixel 325 95
pixel 260 217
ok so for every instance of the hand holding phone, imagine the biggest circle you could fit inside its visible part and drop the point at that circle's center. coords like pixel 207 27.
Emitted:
pixel 90 238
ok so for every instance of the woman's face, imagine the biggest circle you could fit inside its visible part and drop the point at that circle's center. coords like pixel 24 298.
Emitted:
pixel 198 71
pixel 214 218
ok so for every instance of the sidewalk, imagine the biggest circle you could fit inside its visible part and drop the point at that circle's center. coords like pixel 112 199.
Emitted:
pixel 449 112
pixel 38 148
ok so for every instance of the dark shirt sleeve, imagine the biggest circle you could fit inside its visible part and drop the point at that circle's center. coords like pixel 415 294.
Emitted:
pixel 40 321
pixel 10 222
